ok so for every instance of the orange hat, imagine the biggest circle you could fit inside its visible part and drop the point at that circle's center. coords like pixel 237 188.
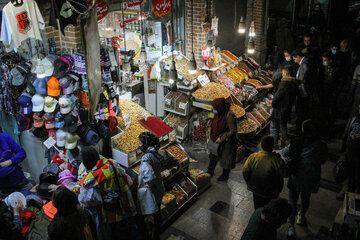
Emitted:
pixel 54 87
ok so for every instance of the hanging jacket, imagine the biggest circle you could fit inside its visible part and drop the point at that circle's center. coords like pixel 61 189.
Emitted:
pixel 102 177
pixel 150 188
pixel 10 150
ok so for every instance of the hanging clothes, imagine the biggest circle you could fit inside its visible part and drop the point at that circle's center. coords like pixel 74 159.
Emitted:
pixel 61 9
pixel 6 94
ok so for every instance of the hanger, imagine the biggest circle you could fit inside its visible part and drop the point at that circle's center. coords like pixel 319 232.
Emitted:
pixel 17 3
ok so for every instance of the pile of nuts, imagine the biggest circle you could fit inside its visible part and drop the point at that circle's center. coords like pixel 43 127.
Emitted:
pixel 246 126
pixel 237 110
pixel 177 153
pixel 211 91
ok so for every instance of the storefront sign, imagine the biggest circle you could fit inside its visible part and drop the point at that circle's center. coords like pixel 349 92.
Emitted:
pixel 102 8
pixel 162 7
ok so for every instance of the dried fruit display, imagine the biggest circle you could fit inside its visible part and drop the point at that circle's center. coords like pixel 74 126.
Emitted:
pixel 246 126
pixel 254 82
pixel 180 105
pixel 177 153
pixel 264 113
pixel 253 62
pixel 225 58
pixel 136 168
pixel 175 120
pixel 188 187
pixel 128 141
pixel 156 126
pixel 236 75
pixel 211 91
pixel 178 194
pixel 168 198
pixel 230 55
pixel 259 118
pixel 200 132
pixel 182 66
pixel 225 81
pixel 237 110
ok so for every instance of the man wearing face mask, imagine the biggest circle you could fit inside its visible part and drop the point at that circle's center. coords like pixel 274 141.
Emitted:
pixel 334 48
pixel 222 142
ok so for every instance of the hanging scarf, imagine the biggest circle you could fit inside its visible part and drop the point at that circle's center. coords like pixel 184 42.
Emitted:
pixel 218 123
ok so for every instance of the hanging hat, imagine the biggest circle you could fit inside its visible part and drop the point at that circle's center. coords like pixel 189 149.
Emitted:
pixel 40 85
pixel 51 132
pixel 19 73
pixel 71 141
pixel 48 63
pixel 65 104
pixel 23 122
pixel 49 120
pixel 25 103
pixel 62 66
pixel 38 120
pixel 68 83
pixel 59 120
pixel 53 87
pixel 71 123
pixel 50 104
pixel 38 102
pixel 60 138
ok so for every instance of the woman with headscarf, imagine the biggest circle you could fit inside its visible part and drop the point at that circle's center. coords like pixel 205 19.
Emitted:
pixel 222 142
pixel 150 186
pixel 305 155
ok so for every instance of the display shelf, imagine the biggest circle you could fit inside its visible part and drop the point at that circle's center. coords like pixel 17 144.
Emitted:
pixel 175 112
pixel 202 105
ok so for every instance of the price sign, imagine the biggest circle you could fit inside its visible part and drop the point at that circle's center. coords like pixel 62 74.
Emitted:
pixel 50 142
pixel 203 80
pixel 179 128
pixel 240 58
pixel 256 71
pixel 182 105
pixel 186 82
pixel 166 173
pixel 127 120
pixel 218 73
pixel 193 82
pixel 246 78
pixel 211 115
pixel 168 101
pixel 250 74
pixel 165 137
pixel 196 123
pixel 145 114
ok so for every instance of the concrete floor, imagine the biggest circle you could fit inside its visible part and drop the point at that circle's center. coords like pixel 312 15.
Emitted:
pixel 223 211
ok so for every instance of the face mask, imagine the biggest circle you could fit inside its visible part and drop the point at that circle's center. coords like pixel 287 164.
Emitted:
pixel 325 64
pixel 288 59
pixel 333 52
pixel 215 112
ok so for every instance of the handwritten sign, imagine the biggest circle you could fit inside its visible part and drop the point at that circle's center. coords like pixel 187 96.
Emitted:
pixel 162 7
pixel 203 80
pixel 102 8
pixel 145 114
pixel 182 105
pixel 127 120
pixel 50 142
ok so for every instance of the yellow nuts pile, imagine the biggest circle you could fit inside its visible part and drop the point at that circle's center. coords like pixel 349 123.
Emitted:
pixel 182 66
pixel 246 126
pixel 179 154
pixel 131 108
pixel 237 110
pixel 211 91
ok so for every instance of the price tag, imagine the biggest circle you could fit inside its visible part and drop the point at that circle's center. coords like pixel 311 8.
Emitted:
pixel 250 74
pixel 165 137
pixel 246 78
pixel 168 101
pixel 240 58
pixel 132 157
pixel 196 123
pixel 166 173
pixel 207 107
pixel 186 82
pixel 50 142
pixel 145 114
pixel 256 71
pixel 203 80
pixel 182 105
pixel 179 57
pixel 179 128
pixel 127 120
pixel 193 82
pixel 211 115
pixel 218 73
pixel 172 136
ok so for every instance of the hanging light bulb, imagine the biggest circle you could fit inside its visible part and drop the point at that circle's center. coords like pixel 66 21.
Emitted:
pixel 173 76
pixel 126 66
pixel 252 29
pixel 242 27
pixel 251 46
pixel 40 70
pixel 192 64
pixel 143 54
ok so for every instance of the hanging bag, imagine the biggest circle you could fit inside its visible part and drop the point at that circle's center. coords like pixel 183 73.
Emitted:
pixel 213 147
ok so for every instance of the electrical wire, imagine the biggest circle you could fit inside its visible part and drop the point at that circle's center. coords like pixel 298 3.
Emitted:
pixel 192 25
pixel 172 30
pixel 123 22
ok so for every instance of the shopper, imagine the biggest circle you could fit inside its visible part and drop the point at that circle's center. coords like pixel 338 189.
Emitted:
pixel 263 172
pixel 222 142
pixel 10 221
pixel 305 154
pixel 306 75
pixel 104 179
pixel 150 188
pixel 345 64
pixel 71 222
pixel 317 18
pixel 12 177
pixel 307 48
pixel 275 76
pixel 265 221
pixel 282 104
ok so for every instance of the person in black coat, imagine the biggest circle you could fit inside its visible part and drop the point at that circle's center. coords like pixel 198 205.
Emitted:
pixel 282 103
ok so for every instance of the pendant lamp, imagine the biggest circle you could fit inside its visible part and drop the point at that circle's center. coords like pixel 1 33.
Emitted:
pixel 242 27
pixel 251 46
pixel 192 63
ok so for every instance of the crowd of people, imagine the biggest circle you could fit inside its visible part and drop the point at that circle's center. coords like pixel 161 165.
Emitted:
pixel 108 202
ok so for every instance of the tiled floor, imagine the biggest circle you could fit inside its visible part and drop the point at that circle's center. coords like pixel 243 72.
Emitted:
pixel 222 212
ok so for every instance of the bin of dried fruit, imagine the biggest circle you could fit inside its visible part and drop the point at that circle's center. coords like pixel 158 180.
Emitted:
pixel 169 202
pixel 135 110
pixel 156 126
pixel 200 178
pixel 246 126
pixel 258 117
pixel 136 168
pixel 179 154
pixel 182 103
pixel 180 196
pixel 264 113
pixel 237 110
pixel 199 133
pixel 254 82
pixel 170 99
pixel 210 92
pixel 188 186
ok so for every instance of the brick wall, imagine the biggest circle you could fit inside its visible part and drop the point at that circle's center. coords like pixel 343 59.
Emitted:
pixel 199 34
pixel 258 15
pixel 72 38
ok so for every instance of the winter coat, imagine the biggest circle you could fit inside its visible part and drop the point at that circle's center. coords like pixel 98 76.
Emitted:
pixel 305 74
pixel 258 229
pixel 10 150
pixel 306 172
pixel 150 188
pixel 264 172
pixel 284 98
pixel 227 148
pixel 11 225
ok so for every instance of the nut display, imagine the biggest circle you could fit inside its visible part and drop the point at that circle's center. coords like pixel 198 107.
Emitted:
pixel 180 105
pixel 136 168
pixel 128 141
pixel 246 126
pixel 156 126
pixel 177 153
pixel 171 98
pixel 167 198
pixel 175 120
pixel 263 113
pixel 237 110
pixel 254 82
pixel 182 67
pixel 211 91
pixel 259 118
pixel 131 108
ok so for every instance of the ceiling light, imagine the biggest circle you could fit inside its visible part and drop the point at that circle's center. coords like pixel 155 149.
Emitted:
pixel 251 46
pixel 192 64
pixel 242 27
